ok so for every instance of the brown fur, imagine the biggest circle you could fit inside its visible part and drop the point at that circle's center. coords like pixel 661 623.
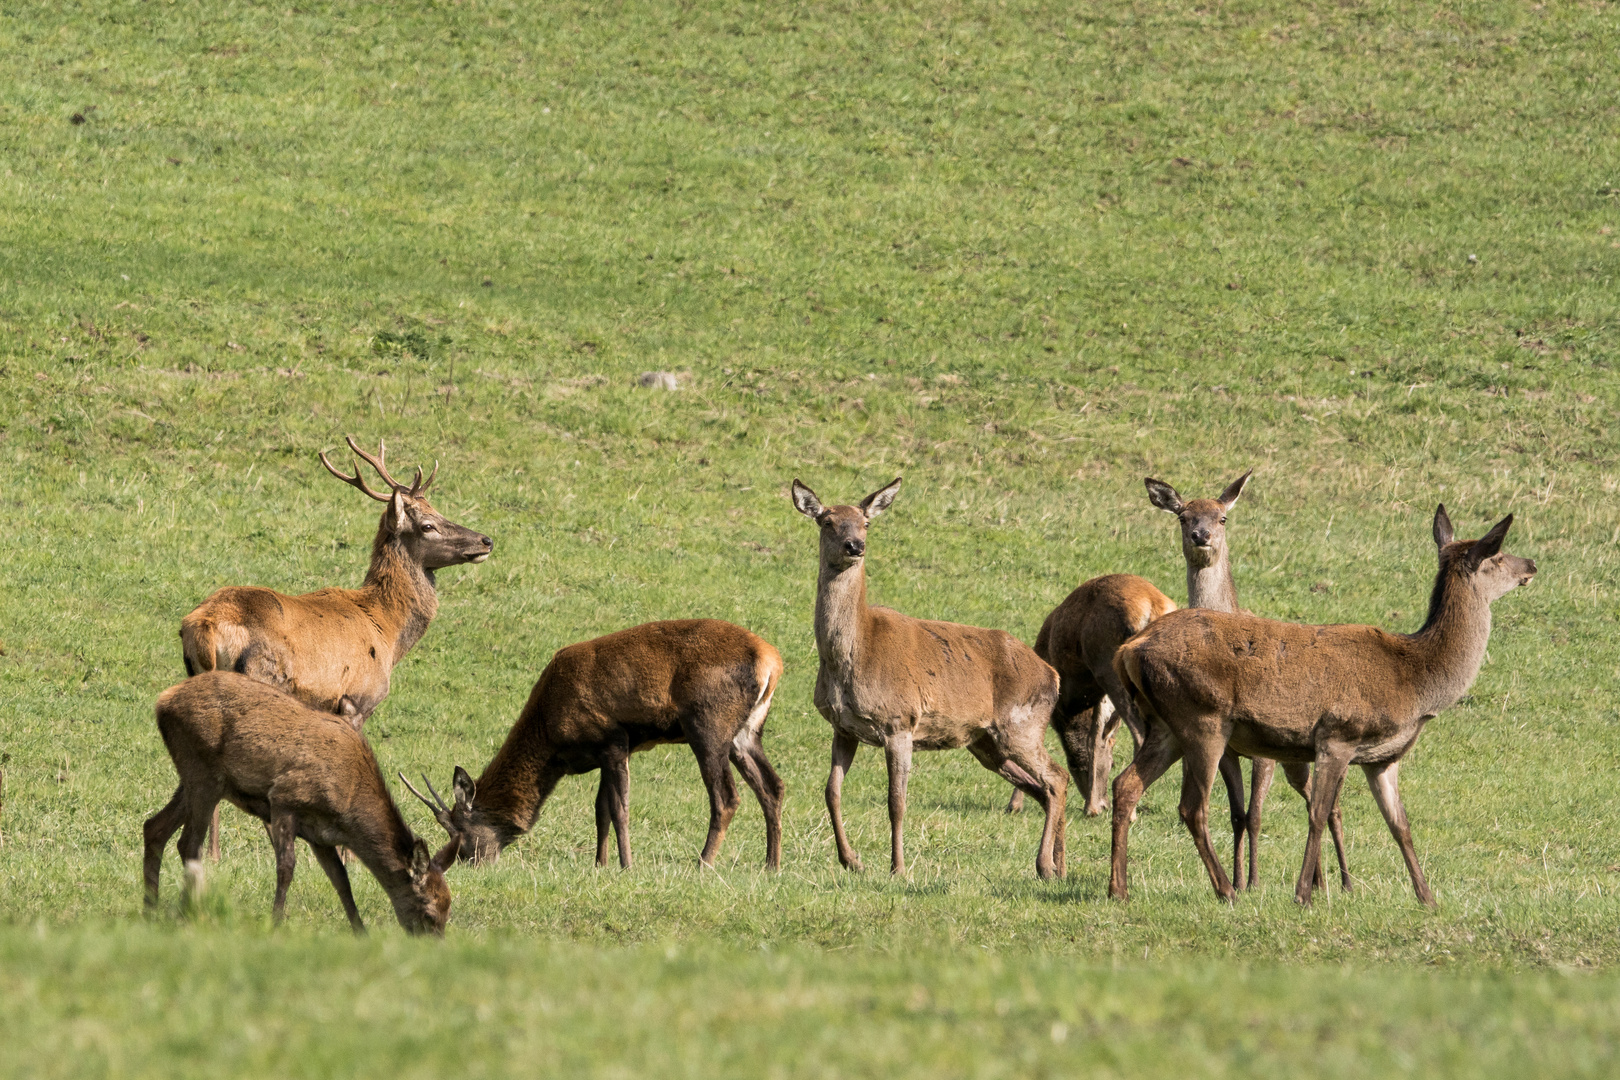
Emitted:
pixel 901 683
pixel 1331 695
pixel 702 682
pixel 306 774
pixel 324 646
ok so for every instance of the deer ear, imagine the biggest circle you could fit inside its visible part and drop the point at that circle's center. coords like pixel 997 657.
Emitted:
pixel 1489 544
pixel 1162 495
pixel 421 861
pixel 1233 490
pixel 880 500
pixel 805 501
pixel 1442 526
pixel 463 789
pixel 398 502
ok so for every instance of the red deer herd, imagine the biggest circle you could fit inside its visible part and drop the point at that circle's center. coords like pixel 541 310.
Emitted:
pixel 271 717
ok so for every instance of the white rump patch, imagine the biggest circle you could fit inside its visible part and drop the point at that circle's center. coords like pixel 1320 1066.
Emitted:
pixel 748 734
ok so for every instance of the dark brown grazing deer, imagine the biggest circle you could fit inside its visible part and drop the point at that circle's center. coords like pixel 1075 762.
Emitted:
pixel 702 682
pixel 334 643
pixel 889 680
pixel 304 773
pixel 1081 635
pixel 1335 696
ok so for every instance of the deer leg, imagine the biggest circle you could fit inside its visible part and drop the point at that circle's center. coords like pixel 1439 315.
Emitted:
pixel 283 837
pixel 1198 768
pixel 767 788
pixel 1332 762
pixel 156 832
pixel 1157 753
pixel 604 815
pixel 714 764
pixel 1045 782
pixel 213 836
pixel 1264 771
pixel 338 875
pixel 1299 778
pixel 843 754
pixel 1385 781
pixel 1231 769
pixel 897 753
pixel 1088 746
pixel 192 837
pixel 616 765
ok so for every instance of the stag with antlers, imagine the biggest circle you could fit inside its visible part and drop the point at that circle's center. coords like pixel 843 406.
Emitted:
pixel 335 644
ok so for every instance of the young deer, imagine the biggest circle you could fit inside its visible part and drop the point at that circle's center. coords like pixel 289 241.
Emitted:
pixel 1081 635
pixel 901 683
pixel 334 643
pixel 306 774
pixel 1333 695
pixel 698 681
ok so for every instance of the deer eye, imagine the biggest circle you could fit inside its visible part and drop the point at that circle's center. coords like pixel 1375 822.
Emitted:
pixel 428 526
pixel 1223 520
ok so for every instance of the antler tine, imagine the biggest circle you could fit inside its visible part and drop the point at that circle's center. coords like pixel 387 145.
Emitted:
pixel 429 784
pixel 438 811
pixel 375 462
pixel 422 485
pixel 352 481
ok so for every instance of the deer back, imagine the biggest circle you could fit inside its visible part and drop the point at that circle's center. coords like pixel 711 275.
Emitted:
pixel 1082 633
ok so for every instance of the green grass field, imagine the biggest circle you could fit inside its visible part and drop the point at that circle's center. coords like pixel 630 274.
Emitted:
pixel 1023 255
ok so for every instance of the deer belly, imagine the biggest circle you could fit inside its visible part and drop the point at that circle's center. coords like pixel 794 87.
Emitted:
pixel 1276 743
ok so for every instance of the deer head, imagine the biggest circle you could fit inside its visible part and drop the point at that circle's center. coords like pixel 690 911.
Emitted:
pixel 1203 521
pixel 843 528
pixel 428 538
pixel 423 906
pixel 1480 564
pixel 471 839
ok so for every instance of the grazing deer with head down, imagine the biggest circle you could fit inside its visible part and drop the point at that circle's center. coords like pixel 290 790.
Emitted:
pixel 1335 696
pixel 324 646
pixel 305 774
pixel 889 680
pixel 702 682
pixel 1081 635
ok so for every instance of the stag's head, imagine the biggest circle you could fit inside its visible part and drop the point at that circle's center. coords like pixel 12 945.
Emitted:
pixel 843 528
pixel 1480 564
pixel 427 536
pixel 423 908
pixel 1203 521
pixel 472 839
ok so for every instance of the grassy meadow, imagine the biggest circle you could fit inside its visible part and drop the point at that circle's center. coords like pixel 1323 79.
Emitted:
pixel 1022 254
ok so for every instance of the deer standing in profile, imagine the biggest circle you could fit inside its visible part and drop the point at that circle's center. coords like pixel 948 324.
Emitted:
pixel 889 680
pixel 702 682
pixel 304 773
pixel 325 646
pixel 1081 635
pixel 1335 696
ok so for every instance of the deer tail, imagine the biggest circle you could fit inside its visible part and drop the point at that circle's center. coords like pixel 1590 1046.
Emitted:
pixel 197 644
pixel 1128 666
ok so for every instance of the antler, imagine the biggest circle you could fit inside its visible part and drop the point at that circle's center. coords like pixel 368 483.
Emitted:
pixel 417 485
pixel 375 462
pixel 355 480
pixel 440 811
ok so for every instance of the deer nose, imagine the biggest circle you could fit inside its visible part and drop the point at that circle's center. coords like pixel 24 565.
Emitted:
pixel 1201 537
pixel 487 542
pixel 855 548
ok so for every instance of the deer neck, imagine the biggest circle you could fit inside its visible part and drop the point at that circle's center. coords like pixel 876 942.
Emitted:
pixel 507 797
pixel 840 614
pixel 1448 651
pixel 1211 586
pixel 386 852
pixel 399 595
